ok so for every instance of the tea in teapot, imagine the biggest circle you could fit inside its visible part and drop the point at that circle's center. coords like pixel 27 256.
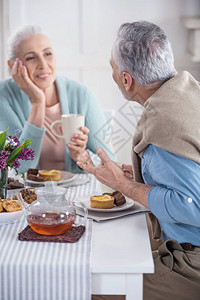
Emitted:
pixel 51 223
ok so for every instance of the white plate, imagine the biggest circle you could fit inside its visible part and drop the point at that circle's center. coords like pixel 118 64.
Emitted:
pixel 129 203
pixel 10 217
pixel 65 177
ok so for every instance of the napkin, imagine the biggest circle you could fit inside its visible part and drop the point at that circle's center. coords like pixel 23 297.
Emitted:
pixel 103 216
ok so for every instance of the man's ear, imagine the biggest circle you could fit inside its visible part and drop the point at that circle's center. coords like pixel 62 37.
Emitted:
pixel 127 80
pixel 10 64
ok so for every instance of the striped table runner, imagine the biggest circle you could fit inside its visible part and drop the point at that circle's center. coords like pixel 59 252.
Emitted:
pixel 46 271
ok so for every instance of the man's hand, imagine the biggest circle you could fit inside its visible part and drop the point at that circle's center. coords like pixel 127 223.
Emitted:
pixel 107 172
pixel 128 170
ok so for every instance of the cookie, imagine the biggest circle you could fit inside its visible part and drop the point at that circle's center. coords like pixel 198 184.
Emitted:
pixel 14 184
pixel 10 179
pixel 1 206
pixel 28 195
pixel 11 205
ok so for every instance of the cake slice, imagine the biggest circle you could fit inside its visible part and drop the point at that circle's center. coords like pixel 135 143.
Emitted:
pixel 119 198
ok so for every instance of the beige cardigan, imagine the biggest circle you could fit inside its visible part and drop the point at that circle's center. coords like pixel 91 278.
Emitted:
pixel 171 121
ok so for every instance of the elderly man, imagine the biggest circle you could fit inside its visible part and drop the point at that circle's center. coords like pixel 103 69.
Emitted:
pixel 165 156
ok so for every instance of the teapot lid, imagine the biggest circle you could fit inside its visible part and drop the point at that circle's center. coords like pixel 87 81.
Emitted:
pixel 51 193
pixel 51 188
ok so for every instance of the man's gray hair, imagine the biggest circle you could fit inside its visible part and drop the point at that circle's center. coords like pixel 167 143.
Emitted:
pixel 143 50
pixel 20 34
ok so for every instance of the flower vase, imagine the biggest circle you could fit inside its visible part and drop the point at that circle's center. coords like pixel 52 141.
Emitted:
pixel 3 183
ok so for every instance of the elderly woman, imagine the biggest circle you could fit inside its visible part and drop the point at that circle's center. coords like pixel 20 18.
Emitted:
pixel 35 97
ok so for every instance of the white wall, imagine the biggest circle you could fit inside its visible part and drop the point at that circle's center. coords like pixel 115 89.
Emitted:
pixel 83 31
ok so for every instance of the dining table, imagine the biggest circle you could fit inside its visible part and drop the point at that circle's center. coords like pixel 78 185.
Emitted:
pixel 118 255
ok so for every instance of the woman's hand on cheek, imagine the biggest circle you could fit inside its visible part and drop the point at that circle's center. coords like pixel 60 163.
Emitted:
pixel 21 77
pixel 77 150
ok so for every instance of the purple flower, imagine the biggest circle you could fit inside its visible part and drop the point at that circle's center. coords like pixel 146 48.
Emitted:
pixel 26 154
pixel 3 157
pixel 12 143
pixel 16 164
pixel 16 140
pixel 3 165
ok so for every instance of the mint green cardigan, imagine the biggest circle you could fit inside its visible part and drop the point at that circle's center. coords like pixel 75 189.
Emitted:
pixel 75 98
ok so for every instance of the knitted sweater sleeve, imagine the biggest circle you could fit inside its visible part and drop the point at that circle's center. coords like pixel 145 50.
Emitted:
pixel 15 108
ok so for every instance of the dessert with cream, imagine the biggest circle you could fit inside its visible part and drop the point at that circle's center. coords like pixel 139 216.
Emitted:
pixel 102 201
pixel 50 175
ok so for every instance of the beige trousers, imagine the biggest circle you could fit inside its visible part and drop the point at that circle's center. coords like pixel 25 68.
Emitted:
pixel 177 274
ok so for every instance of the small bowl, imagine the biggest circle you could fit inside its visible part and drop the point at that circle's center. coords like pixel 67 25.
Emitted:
pixel 10 217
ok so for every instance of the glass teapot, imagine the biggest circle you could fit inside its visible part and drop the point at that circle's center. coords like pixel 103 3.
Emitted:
pixel 52 213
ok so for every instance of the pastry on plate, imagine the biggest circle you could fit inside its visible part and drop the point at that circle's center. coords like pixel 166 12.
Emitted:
pixel 28 195
pixel 119 198
pixel 14 184
pixel 33 175
pixel 11 205
pixel 102 201
pixel 32 171
pixel 50 175
pixel 1 206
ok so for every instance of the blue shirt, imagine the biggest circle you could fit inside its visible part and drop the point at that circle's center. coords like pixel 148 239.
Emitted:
pixel 175 196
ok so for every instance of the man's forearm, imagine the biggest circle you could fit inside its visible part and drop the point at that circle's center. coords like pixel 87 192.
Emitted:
pixel 134 190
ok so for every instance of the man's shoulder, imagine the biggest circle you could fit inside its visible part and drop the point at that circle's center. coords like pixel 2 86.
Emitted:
pixel 160 155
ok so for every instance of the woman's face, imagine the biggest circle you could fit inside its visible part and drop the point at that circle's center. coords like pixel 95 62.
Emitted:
pixel 38 57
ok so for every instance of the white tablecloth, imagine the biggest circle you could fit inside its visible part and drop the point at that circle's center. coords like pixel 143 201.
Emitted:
pixel 46 271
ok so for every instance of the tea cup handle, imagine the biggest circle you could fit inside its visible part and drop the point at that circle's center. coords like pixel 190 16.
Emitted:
pixel 53 130
pixel 85 211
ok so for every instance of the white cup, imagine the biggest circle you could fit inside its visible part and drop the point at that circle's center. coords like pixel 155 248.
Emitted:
pixel 71 123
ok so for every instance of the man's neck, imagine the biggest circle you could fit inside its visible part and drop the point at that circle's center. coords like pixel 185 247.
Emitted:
pixel 141 94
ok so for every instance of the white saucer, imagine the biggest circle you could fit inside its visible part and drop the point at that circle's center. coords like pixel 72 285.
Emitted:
pixel 129 203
